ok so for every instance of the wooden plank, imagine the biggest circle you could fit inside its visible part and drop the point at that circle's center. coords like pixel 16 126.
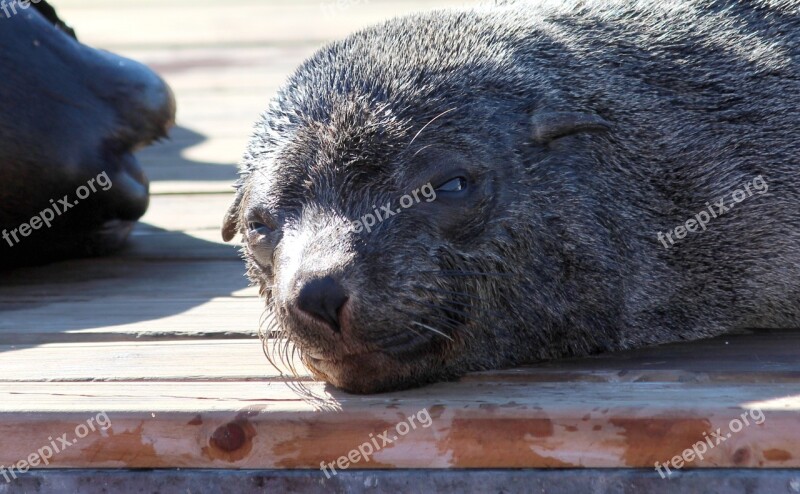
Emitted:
pixel 173 187
pixel 208 160
pixel 115 299
pixel 272 424
pixel 207 244
pixel 116 318
pixel 184 284
pixel 182 213
pixel 722 360
pixel 224 69
pixel 225 360
pixel 182 23
pixel 169 404
pixel 90 279
pixel 764 358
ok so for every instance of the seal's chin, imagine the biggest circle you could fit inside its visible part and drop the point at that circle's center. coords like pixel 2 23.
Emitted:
pixel 348 350
pixel 367 372
pixel 110 237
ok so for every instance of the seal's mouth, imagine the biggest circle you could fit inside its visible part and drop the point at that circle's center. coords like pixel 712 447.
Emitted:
pixel 330 369
pixel 369 372
pixel 394 363
pixel 110 237
pixel 321 359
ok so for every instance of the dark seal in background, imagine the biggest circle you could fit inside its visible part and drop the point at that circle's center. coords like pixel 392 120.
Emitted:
pixel 70 119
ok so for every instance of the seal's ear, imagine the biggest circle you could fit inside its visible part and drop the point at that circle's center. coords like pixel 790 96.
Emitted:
pixel 548 126
pixel 230 225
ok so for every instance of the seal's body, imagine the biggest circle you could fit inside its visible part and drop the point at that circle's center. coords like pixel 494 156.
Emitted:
pixel 579 154
pixel 70 118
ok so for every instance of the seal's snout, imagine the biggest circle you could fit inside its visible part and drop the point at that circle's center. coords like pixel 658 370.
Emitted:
pixel 144 102
pixel 323 298
pixel 144 108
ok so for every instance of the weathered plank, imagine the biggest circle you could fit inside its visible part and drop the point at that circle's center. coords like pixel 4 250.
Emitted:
pixel 123 318
pixel 168 402
pixel 176 23
pixel 224 69
pixel 185 213
pixel 726 360
pixel 171 360
pixel 91 279
pixel 176 278
pixel 254 424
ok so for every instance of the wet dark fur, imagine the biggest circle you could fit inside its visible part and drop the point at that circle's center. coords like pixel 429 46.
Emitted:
pixel 555 252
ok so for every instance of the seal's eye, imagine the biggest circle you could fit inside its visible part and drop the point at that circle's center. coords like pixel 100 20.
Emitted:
pixel 458 184
pixel 262 238
pixel 258 228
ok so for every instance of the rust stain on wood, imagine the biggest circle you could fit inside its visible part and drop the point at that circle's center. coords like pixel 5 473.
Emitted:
pixel 741 456
pixel 231 442
pixel 775 454
pixel 489 443
pixel 436 411
pixel 331 441
pixel 658 439
pixel 128 447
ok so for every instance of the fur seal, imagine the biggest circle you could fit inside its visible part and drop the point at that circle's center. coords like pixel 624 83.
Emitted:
pixel 70 119
pixel 573 148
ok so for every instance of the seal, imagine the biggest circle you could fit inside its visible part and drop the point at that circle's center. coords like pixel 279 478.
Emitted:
pixel 577 151
pixel 70 119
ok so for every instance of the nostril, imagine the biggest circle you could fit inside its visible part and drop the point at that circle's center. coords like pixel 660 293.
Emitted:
pixel 323 298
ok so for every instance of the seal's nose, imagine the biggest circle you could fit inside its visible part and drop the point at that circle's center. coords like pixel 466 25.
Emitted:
pixel 144 102
pixel 323 298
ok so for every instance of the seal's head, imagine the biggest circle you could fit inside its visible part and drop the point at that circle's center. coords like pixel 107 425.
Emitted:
pixel 71 118
pixel 391 213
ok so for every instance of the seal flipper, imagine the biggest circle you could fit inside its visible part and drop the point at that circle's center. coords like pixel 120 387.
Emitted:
pixel 548 126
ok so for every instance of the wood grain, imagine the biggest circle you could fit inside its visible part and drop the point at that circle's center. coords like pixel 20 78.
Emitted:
pixel 472 425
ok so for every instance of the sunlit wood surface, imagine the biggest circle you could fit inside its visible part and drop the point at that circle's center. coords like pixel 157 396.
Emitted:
pixel 163 337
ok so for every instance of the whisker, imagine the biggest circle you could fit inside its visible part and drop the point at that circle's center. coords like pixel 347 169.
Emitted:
pixel 427 124
pixel 471 273
pixel 284 354
pixel 440 319
pixel 449 292
pixel 291 361
pixel 445 308
pixel 265 336
pixel 423 148
pixel 434 330
pixel 483 311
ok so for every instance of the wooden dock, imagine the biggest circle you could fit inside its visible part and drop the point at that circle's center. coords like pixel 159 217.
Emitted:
pixel 150 359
